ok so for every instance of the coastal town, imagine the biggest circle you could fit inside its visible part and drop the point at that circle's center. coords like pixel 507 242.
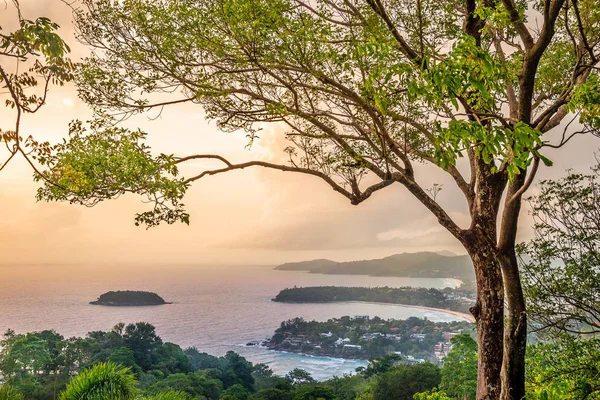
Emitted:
pixel 416 340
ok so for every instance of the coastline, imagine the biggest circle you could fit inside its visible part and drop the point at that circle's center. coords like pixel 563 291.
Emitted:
pixel 317 354
pixel 459 282
pixel 112 304
pixel 466 316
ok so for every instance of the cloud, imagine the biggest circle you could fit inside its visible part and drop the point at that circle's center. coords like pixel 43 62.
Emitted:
pixel 255 215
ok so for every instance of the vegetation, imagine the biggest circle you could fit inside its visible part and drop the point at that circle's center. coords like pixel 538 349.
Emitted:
pixel 44 365
pixel 417 265
pixel 567 369
pixel 8 393
pixel 34 57
pixel 560 265
pixel 369 90
pixel 129 298
pixel 447 299
pixel 364 338
pixel 459 374
pixel 40 365
pixel 561 280
pixel 403 382
pixel 103 381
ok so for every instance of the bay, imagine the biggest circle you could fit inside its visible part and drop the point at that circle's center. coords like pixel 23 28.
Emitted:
pixel 215 308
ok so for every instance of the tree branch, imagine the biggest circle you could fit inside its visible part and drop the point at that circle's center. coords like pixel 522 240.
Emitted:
pixel 527 184
pixel 518 24
pixel 379 9
pixel 354 197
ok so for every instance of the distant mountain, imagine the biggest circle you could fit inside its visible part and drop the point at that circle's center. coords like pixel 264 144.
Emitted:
pixel 414 265
pixel 446 253
pixel 307 265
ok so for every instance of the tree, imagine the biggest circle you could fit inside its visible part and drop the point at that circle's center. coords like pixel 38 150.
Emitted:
pixel 201 360
pixel 8 393
pixel 171 359
pixel 315 393
pixel 459 372
pixel 565 370
pixel 431 395
pixel 111 381
pixel 379 365
pixel 264 377
pixel 102 381
pixel 33 57
pixel 369 90
pixel 236 369
pixel 141 338
pixel 272 394
pixel 236 391
pixel 195 384
pixel 169 395
pixel 125 357
pixel 26 354
pixel 403 382
pixel 347 387
pixel 562 285
pixel 298 376
pixel 560 265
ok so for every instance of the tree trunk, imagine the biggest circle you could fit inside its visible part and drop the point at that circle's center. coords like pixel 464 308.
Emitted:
pixel 515 335
pixel 489 315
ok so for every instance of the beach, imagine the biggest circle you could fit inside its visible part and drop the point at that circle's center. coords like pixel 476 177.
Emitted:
pixel 465 316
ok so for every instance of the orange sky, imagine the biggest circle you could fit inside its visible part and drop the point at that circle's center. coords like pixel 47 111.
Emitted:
pixel 243 217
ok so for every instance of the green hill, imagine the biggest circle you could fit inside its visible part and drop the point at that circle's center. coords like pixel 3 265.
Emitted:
pixel 414 265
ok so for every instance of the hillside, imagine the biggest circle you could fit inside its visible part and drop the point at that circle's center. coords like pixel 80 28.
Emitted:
pixel 443 299
pixel 415 265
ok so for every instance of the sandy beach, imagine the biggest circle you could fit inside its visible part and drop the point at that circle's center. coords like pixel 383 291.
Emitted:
pixel 466 316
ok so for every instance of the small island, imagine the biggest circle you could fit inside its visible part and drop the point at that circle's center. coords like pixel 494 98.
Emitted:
pixel 129 298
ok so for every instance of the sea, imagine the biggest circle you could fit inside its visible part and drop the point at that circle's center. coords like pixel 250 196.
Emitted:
pixel 215 308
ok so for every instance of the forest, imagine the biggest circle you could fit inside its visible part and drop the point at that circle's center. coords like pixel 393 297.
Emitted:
pixel 132 362
pixel 447 299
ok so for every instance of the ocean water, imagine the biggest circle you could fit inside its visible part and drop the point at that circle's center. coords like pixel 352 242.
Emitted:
pixel 215 309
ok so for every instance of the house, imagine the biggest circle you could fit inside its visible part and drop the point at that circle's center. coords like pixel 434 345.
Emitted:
pixel 452 296
pixel 412 360
pixel 441 350
pixel 419 336
pixel 371 336
pixel 352 346
pixel 365 317
pixel 342 341
pixel 449 335
pixel 328 334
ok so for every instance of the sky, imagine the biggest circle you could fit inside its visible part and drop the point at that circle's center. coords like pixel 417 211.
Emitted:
pixel 252 216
